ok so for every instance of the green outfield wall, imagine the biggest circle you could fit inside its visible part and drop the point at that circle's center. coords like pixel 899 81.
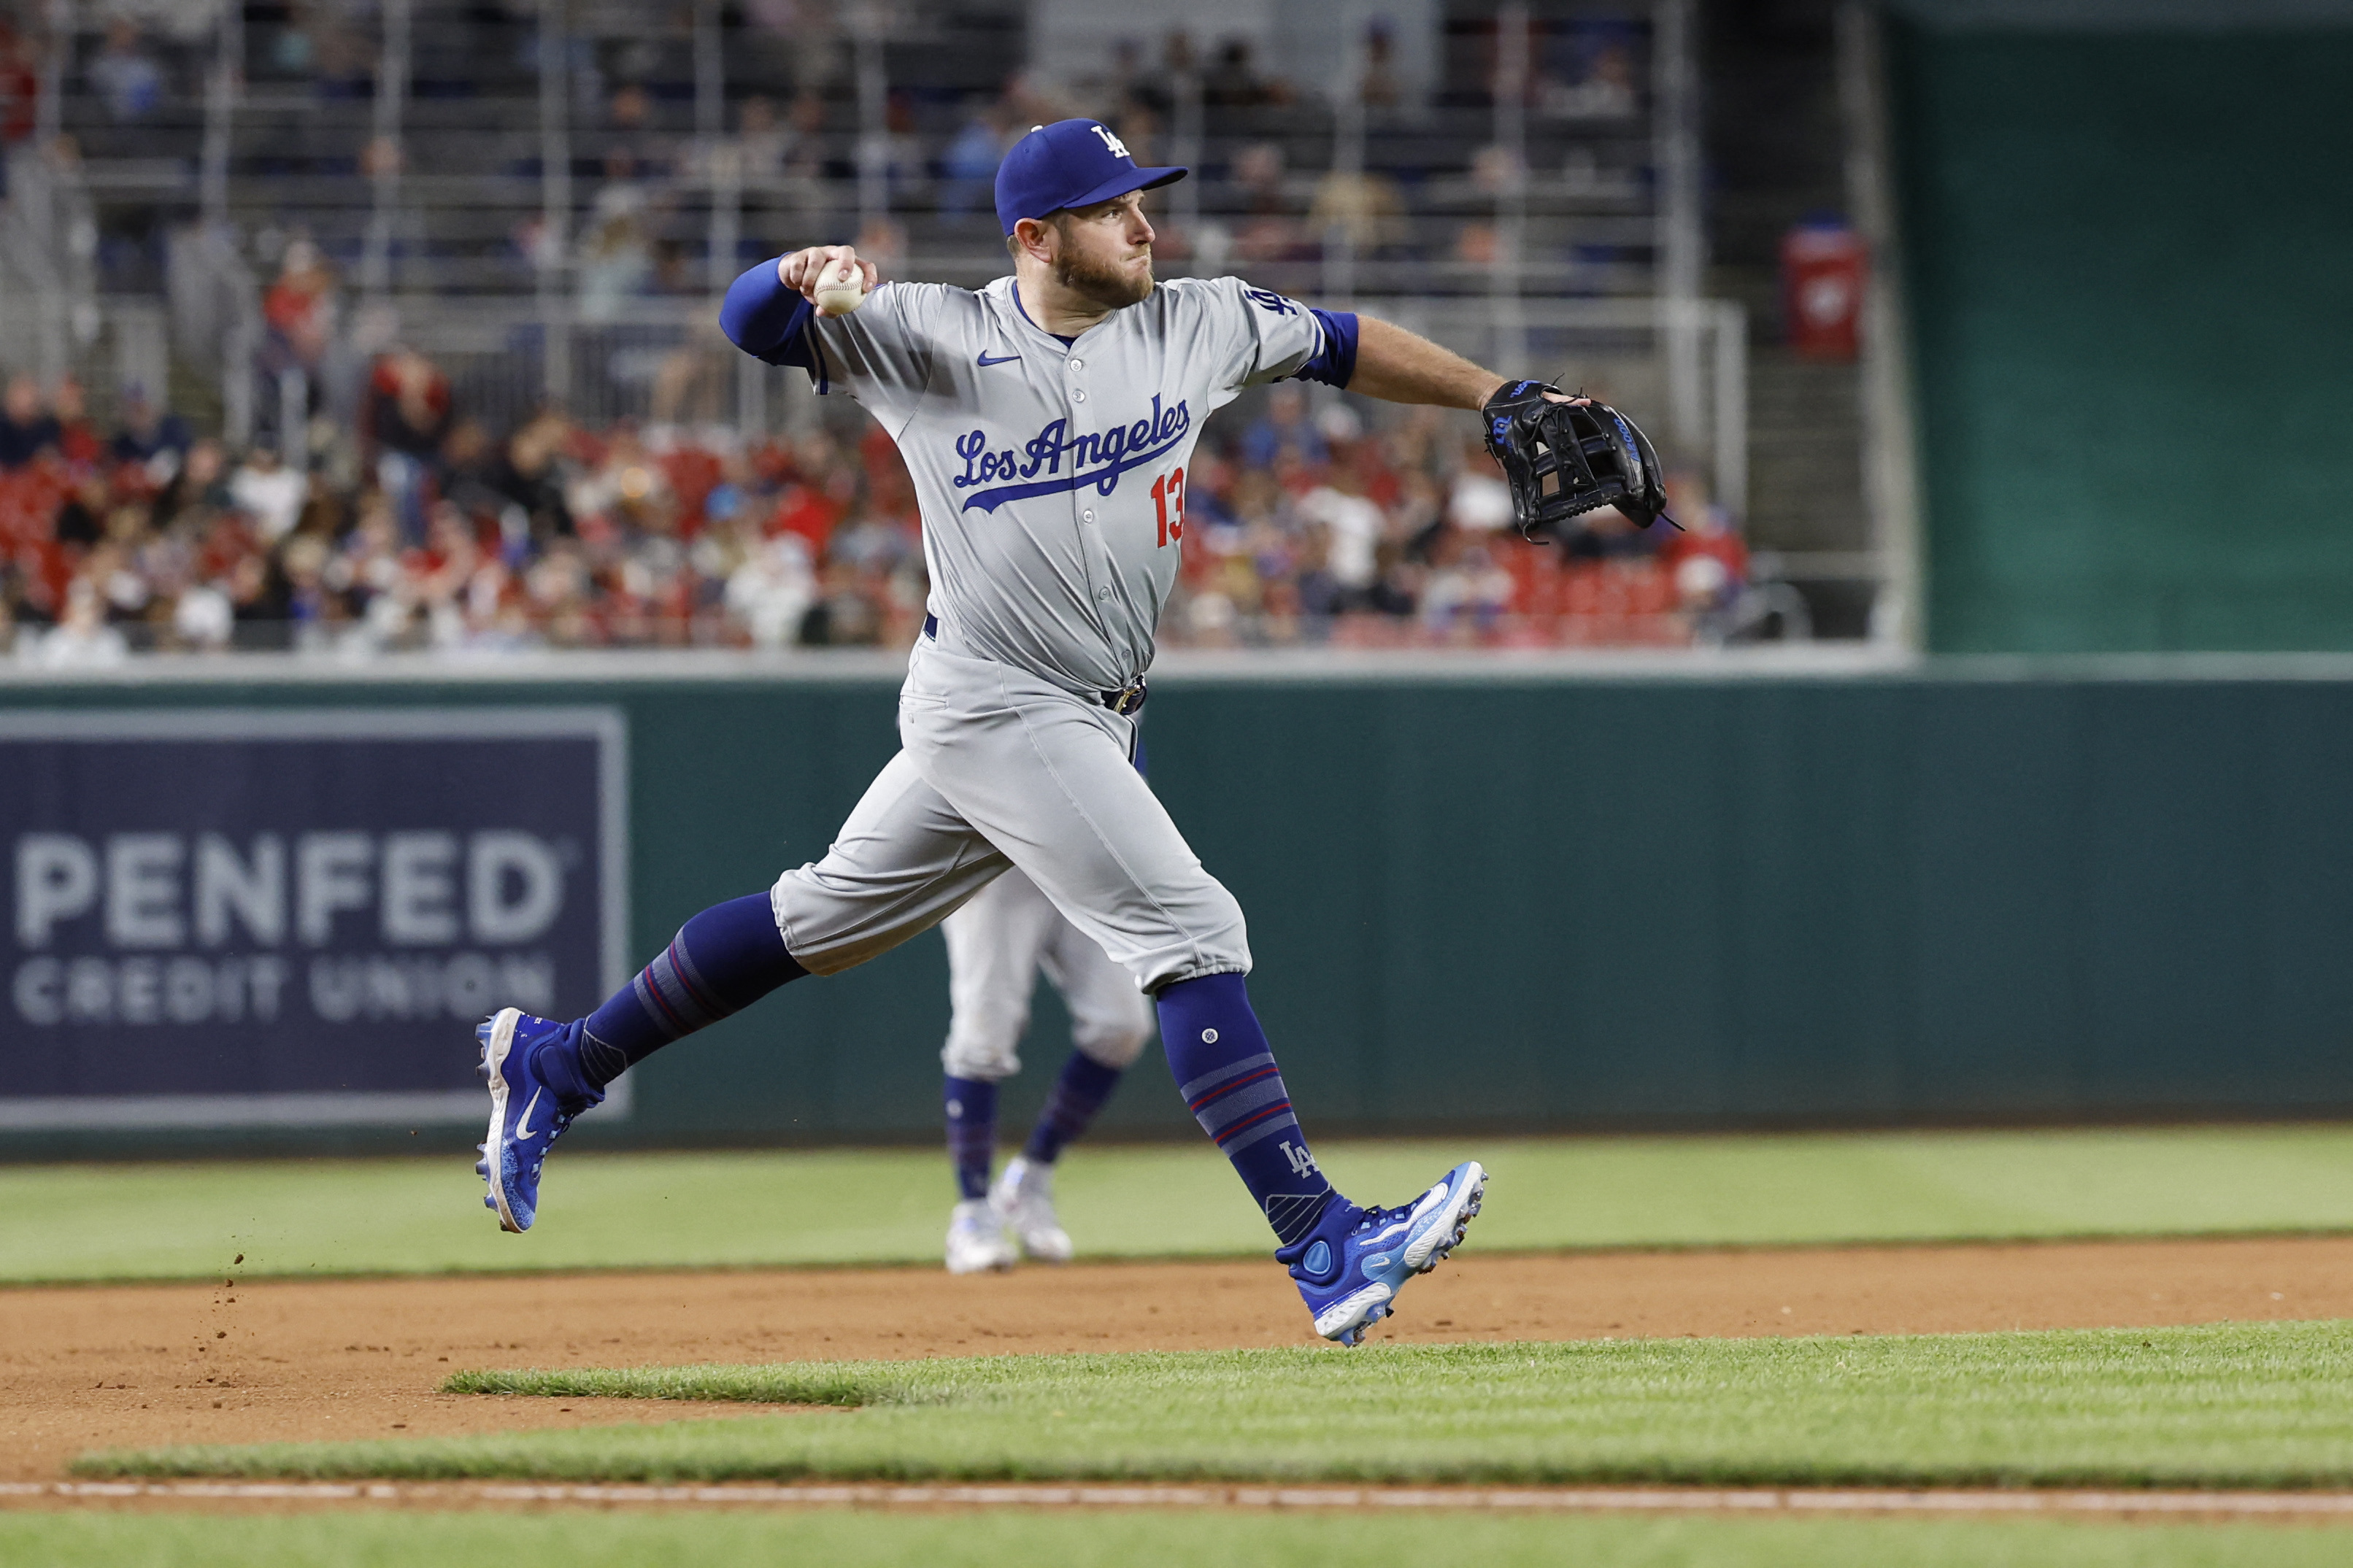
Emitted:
pixel 2125 226
pixel 1958 892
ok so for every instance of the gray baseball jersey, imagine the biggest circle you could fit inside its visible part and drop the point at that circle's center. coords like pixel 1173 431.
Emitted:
pixel 1051 476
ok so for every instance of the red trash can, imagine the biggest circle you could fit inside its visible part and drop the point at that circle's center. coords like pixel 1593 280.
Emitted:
pixel 1821 289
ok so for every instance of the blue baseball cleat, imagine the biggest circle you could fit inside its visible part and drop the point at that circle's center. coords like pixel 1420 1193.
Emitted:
pixel 1352 1264
pixel 525 1116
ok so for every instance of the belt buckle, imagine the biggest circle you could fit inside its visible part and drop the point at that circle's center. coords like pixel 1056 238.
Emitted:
pixel 1126 699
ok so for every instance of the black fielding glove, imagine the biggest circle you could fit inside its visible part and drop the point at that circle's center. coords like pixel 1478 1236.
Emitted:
pixel 1563 458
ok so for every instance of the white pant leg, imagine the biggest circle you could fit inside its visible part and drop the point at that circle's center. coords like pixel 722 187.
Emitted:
pixel 903 861
pixel 1044 775
pixel 994 942
pixel 1110 1019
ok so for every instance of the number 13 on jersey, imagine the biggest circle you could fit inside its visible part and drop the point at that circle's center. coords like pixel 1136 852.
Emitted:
pixel 1168 501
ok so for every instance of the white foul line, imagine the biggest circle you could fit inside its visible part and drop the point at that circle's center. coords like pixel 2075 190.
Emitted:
pixel 1583 1499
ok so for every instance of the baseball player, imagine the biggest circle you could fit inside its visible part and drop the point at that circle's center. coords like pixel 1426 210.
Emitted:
pixel 996 944
pixel 1047 420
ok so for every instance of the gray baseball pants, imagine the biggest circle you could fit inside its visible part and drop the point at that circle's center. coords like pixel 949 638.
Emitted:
pixel 1000 767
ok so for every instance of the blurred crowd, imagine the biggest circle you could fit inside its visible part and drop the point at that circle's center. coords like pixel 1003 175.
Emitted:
pixel 1310 527
pixel 401 518
pixel 422 529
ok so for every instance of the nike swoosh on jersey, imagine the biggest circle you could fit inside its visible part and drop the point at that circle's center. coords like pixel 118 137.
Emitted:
pixel 1000 359
pixel 522 1122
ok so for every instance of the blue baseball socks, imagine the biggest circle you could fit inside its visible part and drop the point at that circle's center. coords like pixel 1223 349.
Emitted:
pixel 971 1107
pixel 1233 1089
pixel 1071 1108
pixel 720 961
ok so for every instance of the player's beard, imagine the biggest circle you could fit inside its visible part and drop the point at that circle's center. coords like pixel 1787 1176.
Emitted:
pixel 1102 282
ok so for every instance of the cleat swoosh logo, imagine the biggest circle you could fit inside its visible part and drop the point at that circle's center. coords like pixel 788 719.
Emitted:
pixel 522 1122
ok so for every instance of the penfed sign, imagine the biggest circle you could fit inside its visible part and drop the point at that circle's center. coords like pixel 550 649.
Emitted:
pixel 462 919
pixel 239 917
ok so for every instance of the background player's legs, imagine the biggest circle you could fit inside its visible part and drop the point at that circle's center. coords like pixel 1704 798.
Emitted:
pixel 994 943
pixel 968 1107
pixel 1110 1022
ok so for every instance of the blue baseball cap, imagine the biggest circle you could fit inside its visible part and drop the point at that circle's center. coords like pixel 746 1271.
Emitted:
pixel 1070 163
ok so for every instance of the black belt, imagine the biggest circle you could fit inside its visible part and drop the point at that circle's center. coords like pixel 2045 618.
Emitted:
pixel 1125 701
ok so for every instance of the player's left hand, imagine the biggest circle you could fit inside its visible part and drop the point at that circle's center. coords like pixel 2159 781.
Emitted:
pixel 1551 395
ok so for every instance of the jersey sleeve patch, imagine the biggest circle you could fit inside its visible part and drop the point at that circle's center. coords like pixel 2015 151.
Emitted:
pixel 1280 336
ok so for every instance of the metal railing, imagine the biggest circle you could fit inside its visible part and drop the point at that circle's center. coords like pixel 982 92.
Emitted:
pixel 54 324
pixel 376 164
pixel 216 325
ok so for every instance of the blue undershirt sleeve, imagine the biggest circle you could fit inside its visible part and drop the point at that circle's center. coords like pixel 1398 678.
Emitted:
pixel 1335 363
pixel 769 321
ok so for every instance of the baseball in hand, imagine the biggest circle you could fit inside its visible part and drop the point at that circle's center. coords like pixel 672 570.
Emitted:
pixel 840 287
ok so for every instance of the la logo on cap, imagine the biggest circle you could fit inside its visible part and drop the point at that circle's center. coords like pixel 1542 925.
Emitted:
pixel 1118 147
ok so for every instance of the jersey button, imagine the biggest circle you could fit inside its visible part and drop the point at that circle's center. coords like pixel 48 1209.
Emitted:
pixel 1078 364
pixel 1103 593
pixel 1078 397
pixel 1087 515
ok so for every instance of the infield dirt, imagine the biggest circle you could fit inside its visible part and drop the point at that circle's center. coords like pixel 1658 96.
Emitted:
pixel 86 1367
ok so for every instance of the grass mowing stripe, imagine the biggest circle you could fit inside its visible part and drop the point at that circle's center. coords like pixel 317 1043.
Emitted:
pixel 580 1538
pixel 663 1211
pixel 848 1386
pixel 2244 1405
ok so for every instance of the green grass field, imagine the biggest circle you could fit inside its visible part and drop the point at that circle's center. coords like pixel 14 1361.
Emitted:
pixel 2230 1405
pixel 101 1221
pixel 586 1539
